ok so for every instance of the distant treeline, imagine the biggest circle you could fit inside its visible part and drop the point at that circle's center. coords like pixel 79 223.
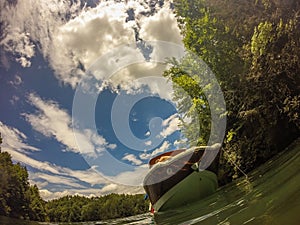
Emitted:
pixel 78 208
pixel 19 199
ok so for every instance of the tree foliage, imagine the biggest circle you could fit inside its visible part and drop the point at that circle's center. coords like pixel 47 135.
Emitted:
pixel 17 198
pixel 79 208
pixel 191 99
pixel 253 48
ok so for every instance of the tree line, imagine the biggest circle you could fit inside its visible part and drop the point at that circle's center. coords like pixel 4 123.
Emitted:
pixel 253 49
pixel 19 199
pixel 79 208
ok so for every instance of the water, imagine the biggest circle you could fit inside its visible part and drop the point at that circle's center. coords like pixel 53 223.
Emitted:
pixel 271 196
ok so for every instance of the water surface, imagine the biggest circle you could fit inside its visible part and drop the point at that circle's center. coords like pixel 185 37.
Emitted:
pixel 271 196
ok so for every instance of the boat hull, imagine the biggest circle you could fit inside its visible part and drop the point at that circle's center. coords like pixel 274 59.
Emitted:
pixel 196 186
pixel 165 175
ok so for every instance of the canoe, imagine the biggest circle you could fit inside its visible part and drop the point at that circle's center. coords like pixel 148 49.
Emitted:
pixel 174 179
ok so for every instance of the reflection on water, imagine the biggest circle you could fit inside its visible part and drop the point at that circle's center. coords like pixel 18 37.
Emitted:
pixel 270 196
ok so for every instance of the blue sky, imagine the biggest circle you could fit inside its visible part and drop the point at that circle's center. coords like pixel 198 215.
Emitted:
pixel 83 103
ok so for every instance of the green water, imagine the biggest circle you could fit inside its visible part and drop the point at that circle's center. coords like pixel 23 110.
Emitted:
pixel 271 196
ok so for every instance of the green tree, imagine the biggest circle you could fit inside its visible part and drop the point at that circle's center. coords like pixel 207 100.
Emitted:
pixel 17 198
pixel 253 49
pixel 76 208
pixel 37 210
pixel 190 99
pixel 5 167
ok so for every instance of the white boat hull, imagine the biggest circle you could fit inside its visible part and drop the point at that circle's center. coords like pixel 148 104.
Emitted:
pixel 194 187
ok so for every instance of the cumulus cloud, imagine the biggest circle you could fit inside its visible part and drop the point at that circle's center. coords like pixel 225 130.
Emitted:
pixel 16 81
pixel 88 36
pixel 164 147
pixel 170 125
pixel 52 194
pixel 141 76
pixel 90 192
pixel 72 38
pixel 148 143
pixel 14 100
pixel 132 158
pixel 52 121
pixel 132 178
pixel 161 26
pixel 109 188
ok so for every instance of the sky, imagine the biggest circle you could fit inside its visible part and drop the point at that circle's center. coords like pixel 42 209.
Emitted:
pixel 84 105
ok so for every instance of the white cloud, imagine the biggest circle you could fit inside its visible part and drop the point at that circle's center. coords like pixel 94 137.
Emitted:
pixel 180 143
pixel 136 78
pixel 29 22
pixel 71 178
pixel 133 178
pixel 109 188
pixel 52 121
pixel 161 26
pixel 44 166
pixel 165 146
pixel 14 139
pixel 90 176
pixel 14 100
pixel 49 195
pixel 71 38
pixel 88 36
pixel 90 192
pixel 148 143
pixel 112 146
pixel 170 125
pixel 132 158
pixel 17 81
pixel 46 179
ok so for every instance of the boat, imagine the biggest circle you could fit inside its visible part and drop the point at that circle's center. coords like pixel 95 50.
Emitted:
pixel 174 179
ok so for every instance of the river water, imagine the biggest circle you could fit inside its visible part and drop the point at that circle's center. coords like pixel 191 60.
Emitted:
pixel 270 196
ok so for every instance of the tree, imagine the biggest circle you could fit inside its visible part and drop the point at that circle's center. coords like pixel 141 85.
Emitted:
pixel 17 198
pixel 37 210
pixel 253 49
pixel 77 208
